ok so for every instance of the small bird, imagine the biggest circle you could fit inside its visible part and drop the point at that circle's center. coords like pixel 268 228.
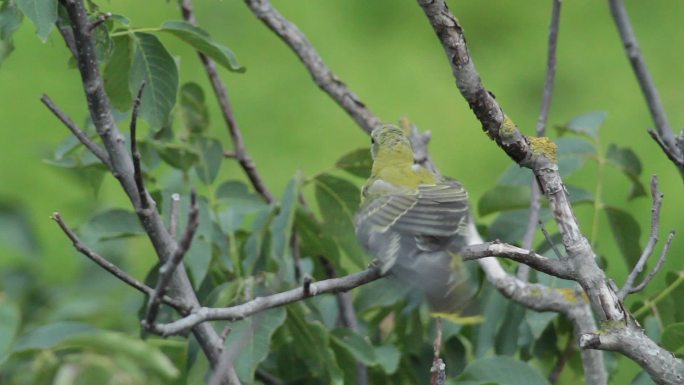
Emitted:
pixel 414 222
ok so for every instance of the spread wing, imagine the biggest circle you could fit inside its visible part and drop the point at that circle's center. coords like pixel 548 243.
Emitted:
pixel 431 210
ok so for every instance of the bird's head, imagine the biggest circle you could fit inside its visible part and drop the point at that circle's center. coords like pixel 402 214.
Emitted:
pixel 390 143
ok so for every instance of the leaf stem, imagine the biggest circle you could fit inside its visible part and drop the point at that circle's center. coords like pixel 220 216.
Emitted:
pixel 664 293
pixel 131 31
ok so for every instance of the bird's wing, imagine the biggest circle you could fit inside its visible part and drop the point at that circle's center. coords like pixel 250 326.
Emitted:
pixel 438 210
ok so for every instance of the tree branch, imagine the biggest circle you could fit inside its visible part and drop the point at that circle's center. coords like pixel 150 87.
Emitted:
pixel 93 147
pixel 538 154
pixel 235 313
pixel 239 150
pixel 321 74
pixel 663 131
pixel 112 268
pixel 137 172
pixel 167 270
pixel 555 267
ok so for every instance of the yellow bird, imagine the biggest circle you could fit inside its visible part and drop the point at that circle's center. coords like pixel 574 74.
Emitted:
pixel 414 222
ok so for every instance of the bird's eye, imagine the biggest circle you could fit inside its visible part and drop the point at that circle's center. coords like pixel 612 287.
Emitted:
pixel 372 140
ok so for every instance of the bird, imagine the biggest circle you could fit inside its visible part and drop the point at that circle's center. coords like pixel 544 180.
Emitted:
pixel 414 222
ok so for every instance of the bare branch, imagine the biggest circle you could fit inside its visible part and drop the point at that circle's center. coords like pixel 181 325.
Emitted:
pixel 93 147
pixel 173 215
pixel 656 269
pixel 558 268
pixel 239 150
pixel 167 270
pixel 663 131
pixel 657 198
pixel 137 172
pixel 438 369
pixel 322 75
pixel 259 304
pixel 112 268
pixel 99 21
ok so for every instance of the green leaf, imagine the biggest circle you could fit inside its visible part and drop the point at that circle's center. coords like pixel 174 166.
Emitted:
pixel 251 338
pixel 210 153
pixel 338 201
pixel 502 370
pixel 579 195
pixel 625 160
pixel 16 231
pixel 315 241
pixel 354 344
pixel 510 226
pixel 198 259
pixel 117 73
pixel 10 318
pixel 179 156
pixel 201 41
pixel 387 356
pixel 48 336
pixel 642 379
pixel 539 321
pixel 281 229
pixel 673 338
pixel 572 146
pixel 43 13
pixel 516 176
pixel 107 342
pixel 153 65
pixel 504 198
pixel 10 21
pixel 193 109
pixel 587 124
pixel 113 223
pixel 237 195
pixel 358 162
pixel 626 232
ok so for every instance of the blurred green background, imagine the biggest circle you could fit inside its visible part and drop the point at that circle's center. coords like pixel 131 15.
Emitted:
pixel 388 55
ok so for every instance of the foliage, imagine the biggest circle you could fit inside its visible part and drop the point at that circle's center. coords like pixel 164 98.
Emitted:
pixel 242 250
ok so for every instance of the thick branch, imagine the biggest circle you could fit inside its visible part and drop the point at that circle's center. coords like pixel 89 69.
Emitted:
pixel 239 150
pixel 235 313
pixel 555 267
pixel 663 132
pixel 93 147
pixel 321 74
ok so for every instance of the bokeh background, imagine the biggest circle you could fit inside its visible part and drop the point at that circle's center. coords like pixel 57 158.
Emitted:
pixel 387 53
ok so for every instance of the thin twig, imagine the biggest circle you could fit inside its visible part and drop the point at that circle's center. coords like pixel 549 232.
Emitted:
pixel 239 150
pixel 167 270
pixel 322 75
pixel 99 21
pixel 659 264
pixel 173 215
pixel 112 268
pixel 266 377
pixel 548 239
pixel 657 198
pixel 562 360
pixel 535 201
pixel 259 304
pixel 663 130
pixel 438 369
pixel 93 147
pixel 137 172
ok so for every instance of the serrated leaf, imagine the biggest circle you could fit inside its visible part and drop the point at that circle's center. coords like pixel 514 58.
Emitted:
pixel 315 241
pixel 503 371
pixel 354 344
pixel 210 159
pixel 201 41
pixel 43 14
pixel 179 156
pixel 626 232
pixel 117 73
pixel 114 223
pixel 673 338
pixel 626 160
pixel 153 65
pixel 251 339
pixel 193 108
pixel 281 229
pixel 338 201
pixel 10 318
pixel 587 124
pixel 358 162
pixel 504 198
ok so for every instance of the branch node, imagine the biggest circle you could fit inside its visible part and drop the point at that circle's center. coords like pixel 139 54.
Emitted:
pixel 99 21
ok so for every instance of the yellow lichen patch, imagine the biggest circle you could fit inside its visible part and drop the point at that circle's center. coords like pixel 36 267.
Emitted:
pixel 508 127
pixel 543 146
pixel 572 296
